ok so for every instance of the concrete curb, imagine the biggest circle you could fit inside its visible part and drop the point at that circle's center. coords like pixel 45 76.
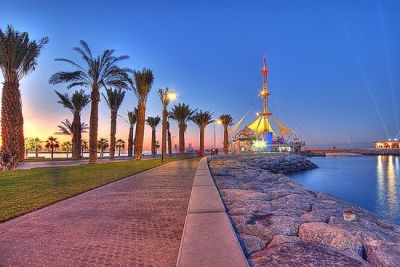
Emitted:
pixel 208 237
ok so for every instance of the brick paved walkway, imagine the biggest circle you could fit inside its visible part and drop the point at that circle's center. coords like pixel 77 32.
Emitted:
pixel 137 221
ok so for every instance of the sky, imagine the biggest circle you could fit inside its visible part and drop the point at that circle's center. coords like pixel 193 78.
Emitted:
pixel 333 64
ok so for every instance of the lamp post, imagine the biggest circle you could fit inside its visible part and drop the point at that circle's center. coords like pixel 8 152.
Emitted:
pixel 216 122
pixel 166 96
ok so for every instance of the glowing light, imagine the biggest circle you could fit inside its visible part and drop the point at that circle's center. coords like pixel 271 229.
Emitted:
pixel 259 144
pixel 219 122
pixel 171 95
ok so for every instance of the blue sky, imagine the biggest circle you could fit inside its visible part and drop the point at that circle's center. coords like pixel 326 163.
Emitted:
pixel 329 61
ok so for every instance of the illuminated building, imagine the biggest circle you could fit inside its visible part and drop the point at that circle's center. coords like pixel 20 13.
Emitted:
pixel 388 144
pixel 280 139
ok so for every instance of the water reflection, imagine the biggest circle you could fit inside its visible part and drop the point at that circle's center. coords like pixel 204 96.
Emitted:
pixel 387 168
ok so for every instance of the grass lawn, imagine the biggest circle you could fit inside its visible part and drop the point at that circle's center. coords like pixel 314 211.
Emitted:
pixel 23 191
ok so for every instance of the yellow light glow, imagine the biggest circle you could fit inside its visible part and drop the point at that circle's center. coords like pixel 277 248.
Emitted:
pixel 259 144
pixel 171 96
pixel 219 122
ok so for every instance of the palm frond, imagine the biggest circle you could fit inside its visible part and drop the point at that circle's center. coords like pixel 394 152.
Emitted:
pixel 143 82
pixel 18 54
pixel 153 121
pixel 202 118
pixel 225 119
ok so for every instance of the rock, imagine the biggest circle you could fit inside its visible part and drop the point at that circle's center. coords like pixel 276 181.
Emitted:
pixel 292 251
pixel 234 195
pixel 281 223
pixel 266 226
pixel 383 254
pixel 367 229
pixel 329 235
pixel 252 244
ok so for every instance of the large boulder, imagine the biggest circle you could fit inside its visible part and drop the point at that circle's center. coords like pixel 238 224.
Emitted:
pixel 329 235
pixel 383 254
pixel 251 244
pixel 292 251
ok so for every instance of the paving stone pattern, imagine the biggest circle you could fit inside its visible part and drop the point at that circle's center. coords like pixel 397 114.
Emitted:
pixel 137 221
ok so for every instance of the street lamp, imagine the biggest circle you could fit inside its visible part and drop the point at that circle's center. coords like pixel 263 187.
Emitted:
pixel 216 122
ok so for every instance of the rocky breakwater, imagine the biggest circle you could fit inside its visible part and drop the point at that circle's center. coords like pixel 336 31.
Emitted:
pixel 281 223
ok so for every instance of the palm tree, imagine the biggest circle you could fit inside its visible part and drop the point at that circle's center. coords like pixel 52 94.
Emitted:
pixel 99 72
pixel 226 120
pixel 85 145
pixel 76 103
pixel 114 100
pixel 202 119
pixel 35 145
pixel 182 114
pixel 165 97
pixel 120 144
pixel 66 128
pixel 52 143
pixel 153 122
pixel 143 82
pixel 18 57
pixel 26 146
pixel 169 137
pixel 66 147
pixel 102 145
pixel 132 118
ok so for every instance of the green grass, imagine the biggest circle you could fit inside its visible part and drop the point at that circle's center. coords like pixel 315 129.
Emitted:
pixel 23 191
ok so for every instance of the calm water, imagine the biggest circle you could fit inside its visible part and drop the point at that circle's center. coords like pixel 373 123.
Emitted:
pixel 372 182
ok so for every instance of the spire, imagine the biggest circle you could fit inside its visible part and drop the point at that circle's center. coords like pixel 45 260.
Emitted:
pixel 264 93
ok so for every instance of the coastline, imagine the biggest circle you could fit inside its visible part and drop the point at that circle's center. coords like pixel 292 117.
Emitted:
pixel 279 222
pixel 351 152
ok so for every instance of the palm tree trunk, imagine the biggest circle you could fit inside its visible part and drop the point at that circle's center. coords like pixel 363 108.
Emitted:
pixel 12 121
pixel 119 152
pixel 130 142
pixel 112 134
pixel 169 141
pixel 76 136
pixel 182 127
pixel 164 131
pixel 52 152
pixel 201 150
pixel 153 142
pixel 37 154
pixel 94 124
pixel 225 140
pixel 139 135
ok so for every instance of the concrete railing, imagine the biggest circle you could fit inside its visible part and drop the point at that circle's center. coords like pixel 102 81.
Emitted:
pixel 208 237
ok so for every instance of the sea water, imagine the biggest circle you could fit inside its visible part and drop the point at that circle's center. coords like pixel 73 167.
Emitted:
pixel 371 182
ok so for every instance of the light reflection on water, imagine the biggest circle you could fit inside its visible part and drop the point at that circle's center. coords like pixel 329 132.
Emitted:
pixel 369 181
pixel 387 194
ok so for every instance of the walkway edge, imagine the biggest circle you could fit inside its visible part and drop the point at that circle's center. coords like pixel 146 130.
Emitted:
pixel 208 237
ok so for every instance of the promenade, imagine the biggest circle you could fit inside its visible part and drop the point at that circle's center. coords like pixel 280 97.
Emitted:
pixel 137 221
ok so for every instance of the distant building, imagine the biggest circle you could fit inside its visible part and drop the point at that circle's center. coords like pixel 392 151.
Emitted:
pixel 387 144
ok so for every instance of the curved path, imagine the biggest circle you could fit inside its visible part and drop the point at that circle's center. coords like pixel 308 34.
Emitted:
pixel 137 221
